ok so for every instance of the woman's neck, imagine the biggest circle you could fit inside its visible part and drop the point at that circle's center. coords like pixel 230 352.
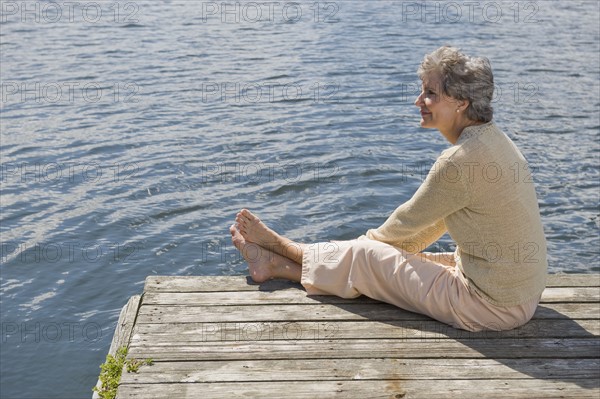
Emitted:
pixel 453 134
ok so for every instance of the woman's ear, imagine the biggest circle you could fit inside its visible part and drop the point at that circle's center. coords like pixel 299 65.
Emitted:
pixel 463 105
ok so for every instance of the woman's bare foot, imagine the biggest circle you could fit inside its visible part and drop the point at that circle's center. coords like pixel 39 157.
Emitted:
pixel 263 264
pixel 254 230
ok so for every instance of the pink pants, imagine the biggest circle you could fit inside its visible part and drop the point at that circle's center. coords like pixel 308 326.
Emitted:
pixel 425 283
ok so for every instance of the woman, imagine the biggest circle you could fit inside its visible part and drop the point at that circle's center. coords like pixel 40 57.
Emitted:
pixel 479 191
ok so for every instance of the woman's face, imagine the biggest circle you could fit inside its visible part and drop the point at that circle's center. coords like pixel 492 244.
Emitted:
pixel 438 110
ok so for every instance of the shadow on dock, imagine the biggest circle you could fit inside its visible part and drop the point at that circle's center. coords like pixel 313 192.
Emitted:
pixel 555 345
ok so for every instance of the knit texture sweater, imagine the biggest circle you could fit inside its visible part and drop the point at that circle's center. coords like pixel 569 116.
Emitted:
pixel 481 192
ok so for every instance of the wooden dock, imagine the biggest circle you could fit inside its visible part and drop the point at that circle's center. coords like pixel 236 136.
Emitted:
pixel 223 337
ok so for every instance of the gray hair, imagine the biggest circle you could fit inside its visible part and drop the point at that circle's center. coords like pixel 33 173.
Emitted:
pixel 463 78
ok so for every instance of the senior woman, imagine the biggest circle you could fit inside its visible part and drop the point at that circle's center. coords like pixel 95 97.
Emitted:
pixel 479 191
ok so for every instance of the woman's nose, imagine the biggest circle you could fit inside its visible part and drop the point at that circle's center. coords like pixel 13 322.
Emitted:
pixel 419 100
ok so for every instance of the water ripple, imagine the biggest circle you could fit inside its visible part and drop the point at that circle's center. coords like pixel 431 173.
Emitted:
pixel 128 145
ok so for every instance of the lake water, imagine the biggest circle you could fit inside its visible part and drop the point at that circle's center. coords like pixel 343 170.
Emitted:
pixel 132 132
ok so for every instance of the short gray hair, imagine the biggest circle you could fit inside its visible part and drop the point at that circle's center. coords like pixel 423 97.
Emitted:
pixel 463 78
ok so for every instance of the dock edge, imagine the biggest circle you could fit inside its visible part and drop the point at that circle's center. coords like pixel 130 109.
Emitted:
pixel 123 330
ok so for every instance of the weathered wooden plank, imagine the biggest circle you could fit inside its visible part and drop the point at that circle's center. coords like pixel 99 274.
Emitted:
pixel 573 280
pixel 125 324
pixel 212 284
pixel 282 297
pixel 571 294
pixel 272 340
pixel 365 348
pixel 364 369
pixel 258 313
pixel 293 296
pixel 123 330
pixel 326 312
pixel 572 311
pixel 384 389
pixel 243 283
pixel 424 329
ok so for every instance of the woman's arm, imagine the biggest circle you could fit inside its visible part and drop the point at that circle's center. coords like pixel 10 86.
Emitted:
pixel 415 243
pixel 419 222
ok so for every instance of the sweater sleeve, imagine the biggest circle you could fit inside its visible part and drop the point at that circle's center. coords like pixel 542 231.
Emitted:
pixel 414 243
pixel 419 222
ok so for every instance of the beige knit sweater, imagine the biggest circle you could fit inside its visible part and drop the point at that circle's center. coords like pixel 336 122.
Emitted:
pixel 481 192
